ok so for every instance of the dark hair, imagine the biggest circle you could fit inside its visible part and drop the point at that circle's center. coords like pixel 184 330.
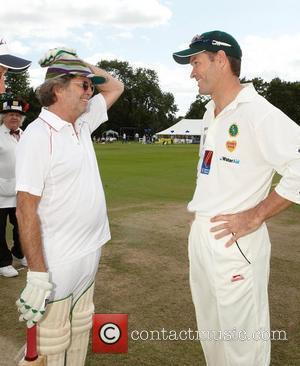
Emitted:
pixel 46 92
pixel 235 63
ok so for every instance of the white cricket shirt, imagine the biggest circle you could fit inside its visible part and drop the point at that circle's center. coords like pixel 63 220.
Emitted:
pixel 243 147
pixel 57 162
pixel 8 145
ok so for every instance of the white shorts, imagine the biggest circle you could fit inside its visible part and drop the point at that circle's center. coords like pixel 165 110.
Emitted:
pixel 230 295
pixel 72 279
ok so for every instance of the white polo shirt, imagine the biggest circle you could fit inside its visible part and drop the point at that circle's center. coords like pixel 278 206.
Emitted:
pixel 243 147
pixel 8 145
pixel 57 162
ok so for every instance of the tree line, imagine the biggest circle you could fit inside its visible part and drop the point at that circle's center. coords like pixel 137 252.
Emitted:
pixel 284 95
pixel 145 107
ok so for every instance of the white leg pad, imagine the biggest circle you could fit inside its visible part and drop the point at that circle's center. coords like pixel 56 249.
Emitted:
pixel 54 332
pixel 82 320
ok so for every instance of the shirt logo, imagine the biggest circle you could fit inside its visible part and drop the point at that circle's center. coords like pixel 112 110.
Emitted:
pixel 228 160
pixel 233 130
pixel 206 163
pixel 231 145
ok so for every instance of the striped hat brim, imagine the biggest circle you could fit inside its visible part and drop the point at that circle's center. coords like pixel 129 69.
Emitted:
pixel 72 66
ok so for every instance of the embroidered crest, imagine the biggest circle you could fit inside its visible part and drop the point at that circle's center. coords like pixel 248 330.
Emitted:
pixel 233 130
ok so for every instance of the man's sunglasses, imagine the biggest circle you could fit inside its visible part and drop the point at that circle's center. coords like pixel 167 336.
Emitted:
pixel 85 85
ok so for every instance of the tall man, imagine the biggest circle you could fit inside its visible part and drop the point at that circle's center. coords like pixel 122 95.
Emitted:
pixel 12 115
pixel 246 139
pixel 61 207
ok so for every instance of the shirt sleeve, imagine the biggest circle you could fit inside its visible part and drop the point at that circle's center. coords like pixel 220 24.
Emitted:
pixel 96 113
pixel 279 140
pixel 33 156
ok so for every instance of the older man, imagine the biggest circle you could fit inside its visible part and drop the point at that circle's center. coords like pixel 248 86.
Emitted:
pixel 11 118
pixel 61 207
pixel 245 140
pixel 10 131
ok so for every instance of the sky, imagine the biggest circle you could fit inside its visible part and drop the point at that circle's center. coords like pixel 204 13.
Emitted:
pixel 146 33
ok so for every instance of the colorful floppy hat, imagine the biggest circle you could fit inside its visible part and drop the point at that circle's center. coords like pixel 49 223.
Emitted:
pixel 64 61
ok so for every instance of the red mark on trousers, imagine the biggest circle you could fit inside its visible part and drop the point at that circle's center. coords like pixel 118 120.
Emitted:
pixel 238 277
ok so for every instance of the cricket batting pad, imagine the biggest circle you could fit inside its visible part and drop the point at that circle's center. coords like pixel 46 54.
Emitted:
pixel 82 320
pixel 54 332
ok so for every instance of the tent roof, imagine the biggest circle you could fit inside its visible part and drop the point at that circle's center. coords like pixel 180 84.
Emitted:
pixel 189 127
pixel 110 132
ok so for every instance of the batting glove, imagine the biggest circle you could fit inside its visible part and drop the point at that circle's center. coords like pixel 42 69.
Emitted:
pixel 34 298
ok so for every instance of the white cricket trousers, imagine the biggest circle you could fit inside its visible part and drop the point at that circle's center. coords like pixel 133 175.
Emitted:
pixel 75 277
pixel 230 295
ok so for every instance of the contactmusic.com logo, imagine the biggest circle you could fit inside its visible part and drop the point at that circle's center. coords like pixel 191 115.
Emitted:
pixel 110 333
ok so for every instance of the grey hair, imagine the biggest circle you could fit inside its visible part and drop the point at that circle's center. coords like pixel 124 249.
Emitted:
pixel 46 92
pixel 3 114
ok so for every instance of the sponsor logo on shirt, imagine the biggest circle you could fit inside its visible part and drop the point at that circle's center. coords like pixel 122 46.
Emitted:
pixel 231 145
pixel 233 130
pixel 206 163
pixel 229 160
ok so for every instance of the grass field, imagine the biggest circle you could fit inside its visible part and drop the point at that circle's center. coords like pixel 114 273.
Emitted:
pixel 144 268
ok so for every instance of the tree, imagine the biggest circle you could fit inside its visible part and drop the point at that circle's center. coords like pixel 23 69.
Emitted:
pixel 285 96
pixel 282 94
pixel 34 107
pixel 18 84
pixel 143 104
pixel 260 85
pixel 197 108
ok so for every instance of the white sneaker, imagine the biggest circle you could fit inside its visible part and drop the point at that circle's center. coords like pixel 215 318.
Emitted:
pixel 22 261
pixel 8 271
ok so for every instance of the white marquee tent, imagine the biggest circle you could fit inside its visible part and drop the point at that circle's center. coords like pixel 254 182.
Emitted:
pixel 185 128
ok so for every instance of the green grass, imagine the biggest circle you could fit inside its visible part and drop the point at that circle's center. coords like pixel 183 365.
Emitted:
pixel 136 173
pixel 144 268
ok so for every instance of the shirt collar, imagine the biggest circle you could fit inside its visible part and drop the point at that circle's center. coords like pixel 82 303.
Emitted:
pixel 52 119
pixel 7 130
pixel 246 94
pixel 56 122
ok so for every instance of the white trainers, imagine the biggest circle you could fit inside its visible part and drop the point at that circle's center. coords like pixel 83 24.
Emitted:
pixel 22 261
pixel 8 271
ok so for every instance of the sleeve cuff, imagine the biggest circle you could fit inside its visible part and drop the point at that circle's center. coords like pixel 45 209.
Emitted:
pixel 32 190
pixel 292 196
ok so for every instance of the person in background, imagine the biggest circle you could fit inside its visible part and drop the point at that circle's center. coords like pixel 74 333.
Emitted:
pixel 12 115
pixel 11 118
